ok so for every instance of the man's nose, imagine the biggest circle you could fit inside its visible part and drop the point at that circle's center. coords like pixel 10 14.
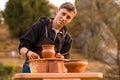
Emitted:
pixel 64 17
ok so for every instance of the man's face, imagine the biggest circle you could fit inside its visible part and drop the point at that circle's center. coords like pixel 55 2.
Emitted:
pixel 63 17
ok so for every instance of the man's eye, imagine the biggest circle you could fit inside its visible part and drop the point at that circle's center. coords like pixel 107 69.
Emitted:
pixel 68 17
pixel 63 14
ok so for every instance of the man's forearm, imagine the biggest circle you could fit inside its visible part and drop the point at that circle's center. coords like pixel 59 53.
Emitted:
pixel 23 51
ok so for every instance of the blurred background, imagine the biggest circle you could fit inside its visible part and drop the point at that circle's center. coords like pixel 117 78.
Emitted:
pixel 95 31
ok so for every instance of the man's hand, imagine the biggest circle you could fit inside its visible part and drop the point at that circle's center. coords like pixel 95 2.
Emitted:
pixel 58 55
pixel 32 55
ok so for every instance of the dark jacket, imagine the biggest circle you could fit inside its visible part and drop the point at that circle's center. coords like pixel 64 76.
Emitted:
pixel 38 30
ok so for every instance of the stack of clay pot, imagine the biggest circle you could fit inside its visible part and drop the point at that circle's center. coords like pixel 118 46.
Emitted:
pixel 49 63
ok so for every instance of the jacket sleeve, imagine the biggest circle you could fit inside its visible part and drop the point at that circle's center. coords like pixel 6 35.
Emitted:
pixel 29 39
pixel 66 46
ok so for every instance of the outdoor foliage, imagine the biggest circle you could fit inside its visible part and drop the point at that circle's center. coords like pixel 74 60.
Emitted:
pixel 20 14
pixel 6 72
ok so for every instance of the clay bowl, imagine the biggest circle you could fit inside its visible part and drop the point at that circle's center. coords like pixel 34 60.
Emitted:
pixel 76 66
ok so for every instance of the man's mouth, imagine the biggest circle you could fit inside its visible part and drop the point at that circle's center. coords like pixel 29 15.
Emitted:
pixel 61 22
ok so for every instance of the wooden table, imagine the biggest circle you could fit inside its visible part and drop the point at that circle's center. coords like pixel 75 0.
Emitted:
pixel 57 76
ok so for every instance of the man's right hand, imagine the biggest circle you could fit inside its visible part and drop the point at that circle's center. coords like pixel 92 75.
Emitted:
pixel 32 55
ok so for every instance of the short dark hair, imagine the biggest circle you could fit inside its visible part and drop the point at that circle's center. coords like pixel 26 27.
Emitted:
pixel 69 6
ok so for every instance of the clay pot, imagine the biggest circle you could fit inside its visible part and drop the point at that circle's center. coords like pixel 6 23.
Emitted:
pixel 47 65
pixel 76 65
pixel 38 66
pixel 57 67
pixel 48 51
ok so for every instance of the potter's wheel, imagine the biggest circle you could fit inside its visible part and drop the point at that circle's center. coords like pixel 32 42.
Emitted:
pixel 54 59
pixel 49 59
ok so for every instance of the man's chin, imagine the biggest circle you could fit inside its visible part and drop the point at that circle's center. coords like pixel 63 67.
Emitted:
pixel 60 24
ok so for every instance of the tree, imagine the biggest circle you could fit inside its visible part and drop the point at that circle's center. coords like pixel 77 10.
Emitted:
pixel 20 14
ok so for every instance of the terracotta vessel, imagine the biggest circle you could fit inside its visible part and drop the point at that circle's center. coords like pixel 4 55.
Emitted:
pixel 47 65
pixel 48 51
pixel 57 66
pixel 38 66
pixel 76 65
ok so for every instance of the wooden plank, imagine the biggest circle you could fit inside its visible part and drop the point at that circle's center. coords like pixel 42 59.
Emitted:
pixel 36 76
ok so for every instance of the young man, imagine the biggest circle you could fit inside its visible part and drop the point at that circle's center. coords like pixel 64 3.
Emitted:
pixel 48 31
